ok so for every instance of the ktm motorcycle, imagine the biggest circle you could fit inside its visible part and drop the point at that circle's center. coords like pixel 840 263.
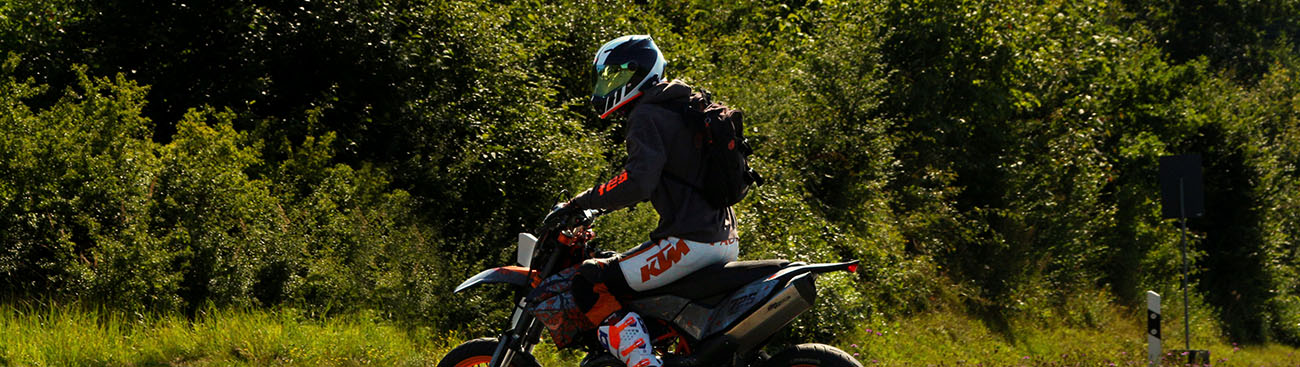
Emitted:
pixel 718 316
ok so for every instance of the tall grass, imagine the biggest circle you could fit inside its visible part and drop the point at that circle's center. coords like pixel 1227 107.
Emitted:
pixel 77 335
pixel 74 335
pixel 1087 331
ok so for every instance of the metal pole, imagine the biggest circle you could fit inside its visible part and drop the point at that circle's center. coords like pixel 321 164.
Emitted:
pixel 1182 212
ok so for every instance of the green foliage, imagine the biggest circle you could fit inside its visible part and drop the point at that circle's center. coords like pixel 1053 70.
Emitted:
pixel 96 209
pixel 76 179
pixel 1248 241
pixel 1240 36
pixel 995 158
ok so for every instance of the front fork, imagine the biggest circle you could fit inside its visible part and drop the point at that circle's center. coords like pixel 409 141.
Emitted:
pixel 525 331
pixel 524 334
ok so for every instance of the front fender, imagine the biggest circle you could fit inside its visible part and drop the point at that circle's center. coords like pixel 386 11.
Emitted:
pixel 516 275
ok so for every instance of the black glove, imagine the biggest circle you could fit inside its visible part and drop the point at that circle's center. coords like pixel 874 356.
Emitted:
pixel 561 217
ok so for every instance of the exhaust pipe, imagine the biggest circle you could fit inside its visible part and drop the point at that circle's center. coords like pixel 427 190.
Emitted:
pixel 799 295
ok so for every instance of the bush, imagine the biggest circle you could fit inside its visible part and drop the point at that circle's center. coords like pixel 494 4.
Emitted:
pixel 340 155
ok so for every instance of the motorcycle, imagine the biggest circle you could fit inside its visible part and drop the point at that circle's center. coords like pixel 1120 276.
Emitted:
pixel 722 315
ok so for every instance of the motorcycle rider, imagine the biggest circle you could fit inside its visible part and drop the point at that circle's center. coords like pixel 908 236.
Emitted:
pixel 664 167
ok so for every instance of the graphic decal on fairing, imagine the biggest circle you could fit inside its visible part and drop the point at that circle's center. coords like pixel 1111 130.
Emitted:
pixel 701 320
pixel 743 300
pixel 555 306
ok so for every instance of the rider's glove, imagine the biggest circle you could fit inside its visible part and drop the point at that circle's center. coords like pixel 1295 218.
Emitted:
pixel 560 217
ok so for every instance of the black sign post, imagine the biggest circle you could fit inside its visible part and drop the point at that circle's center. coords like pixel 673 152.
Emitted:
pixel 1181 196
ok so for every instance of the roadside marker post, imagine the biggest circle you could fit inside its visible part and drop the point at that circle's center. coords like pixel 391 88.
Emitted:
pixel 1153 328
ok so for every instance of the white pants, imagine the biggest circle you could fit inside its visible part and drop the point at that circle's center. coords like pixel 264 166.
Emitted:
pixel 657 264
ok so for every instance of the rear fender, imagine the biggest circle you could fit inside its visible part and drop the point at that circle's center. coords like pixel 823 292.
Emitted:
pixel 741 303
pixel 514 275
pixel 800 268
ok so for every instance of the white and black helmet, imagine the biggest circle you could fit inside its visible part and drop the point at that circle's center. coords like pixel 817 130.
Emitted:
pixel 623 68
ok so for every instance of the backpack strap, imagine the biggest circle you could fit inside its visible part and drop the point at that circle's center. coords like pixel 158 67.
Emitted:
pixel 689 109
pixel 694 120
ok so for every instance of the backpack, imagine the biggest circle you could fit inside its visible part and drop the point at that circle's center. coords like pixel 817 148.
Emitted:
pixel 720 133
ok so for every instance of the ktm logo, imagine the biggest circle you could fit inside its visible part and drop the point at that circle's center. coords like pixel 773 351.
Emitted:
pixel 664 260
pixel 613 182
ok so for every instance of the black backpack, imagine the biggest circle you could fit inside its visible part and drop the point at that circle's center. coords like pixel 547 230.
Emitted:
pixel 720 133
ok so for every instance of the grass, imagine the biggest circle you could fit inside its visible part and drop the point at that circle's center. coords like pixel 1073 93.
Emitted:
pixel 81 336
pixel 1089 331
pixel 946 339
pixel 77 336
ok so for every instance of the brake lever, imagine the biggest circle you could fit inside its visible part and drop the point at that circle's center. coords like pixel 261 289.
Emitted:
pixel 584 220
pixel 589 217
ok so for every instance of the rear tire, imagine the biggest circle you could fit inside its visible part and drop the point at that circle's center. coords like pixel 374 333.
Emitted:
pixel 812 355
pixel 478 352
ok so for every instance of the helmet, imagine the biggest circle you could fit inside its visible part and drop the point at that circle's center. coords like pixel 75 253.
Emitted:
pixel 623 67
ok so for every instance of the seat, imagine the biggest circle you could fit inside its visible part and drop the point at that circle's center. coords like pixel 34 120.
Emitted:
pixel 716 279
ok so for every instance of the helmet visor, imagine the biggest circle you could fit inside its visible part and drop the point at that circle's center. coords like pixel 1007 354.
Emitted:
pixel 611 78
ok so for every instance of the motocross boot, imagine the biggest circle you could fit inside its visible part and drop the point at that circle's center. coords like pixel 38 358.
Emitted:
pixel 627 338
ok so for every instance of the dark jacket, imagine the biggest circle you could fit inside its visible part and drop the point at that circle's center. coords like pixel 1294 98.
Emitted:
pixel 663 163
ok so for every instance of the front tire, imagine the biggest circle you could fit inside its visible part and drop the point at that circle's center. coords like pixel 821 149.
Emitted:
pixel 812 355
pixel 478 352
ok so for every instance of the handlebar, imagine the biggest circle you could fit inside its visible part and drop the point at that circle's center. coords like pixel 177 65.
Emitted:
pixel 570 219
pixel 588 216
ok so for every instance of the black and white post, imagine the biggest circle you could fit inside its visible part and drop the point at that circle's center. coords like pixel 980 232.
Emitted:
pixel 1153 328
